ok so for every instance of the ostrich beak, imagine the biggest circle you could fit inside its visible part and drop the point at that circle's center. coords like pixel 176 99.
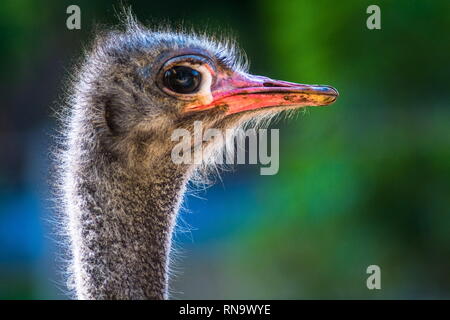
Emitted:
pixel 243 92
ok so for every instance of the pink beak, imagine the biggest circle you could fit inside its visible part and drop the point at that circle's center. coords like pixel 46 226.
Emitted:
pixel 243 92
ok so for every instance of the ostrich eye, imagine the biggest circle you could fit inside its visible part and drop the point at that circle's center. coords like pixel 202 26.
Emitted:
pixel 182 79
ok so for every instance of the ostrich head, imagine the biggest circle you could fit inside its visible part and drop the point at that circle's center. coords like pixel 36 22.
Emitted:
pixel 122 191
pixel 146 84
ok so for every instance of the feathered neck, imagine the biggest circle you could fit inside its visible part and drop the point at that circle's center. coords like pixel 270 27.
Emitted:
pixel 120 220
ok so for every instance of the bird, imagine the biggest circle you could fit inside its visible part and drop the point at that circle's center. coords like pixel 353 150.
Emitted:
pixel 120 190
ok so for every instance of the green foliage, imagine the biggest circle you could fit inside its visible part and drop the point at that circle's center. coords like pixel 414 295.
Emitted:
pixel 366 180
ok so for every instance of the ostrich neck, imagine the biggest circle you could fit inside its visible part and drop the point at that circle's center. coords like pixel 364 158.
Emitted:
pixel 120 223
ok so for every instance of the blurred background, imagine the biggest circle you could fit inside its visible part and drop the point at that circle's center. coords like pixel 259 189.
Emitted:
pixel 365 181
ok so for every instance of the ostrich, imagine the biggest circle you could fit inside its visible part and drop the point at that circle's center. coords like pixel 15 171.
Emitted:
pixel 120 189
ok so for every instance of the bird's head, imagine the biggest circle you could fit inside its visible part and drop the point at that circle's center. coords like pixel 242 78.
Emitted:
pixel 144 84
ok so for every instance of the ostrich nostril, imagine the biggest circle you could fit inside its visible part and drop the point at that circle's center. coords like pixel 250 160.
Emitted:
pixel 270 84
pixel 278 84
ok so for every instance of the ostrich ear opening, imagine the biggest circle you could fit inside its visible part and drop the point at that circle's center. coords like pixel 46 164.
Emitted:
pixel 112 117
